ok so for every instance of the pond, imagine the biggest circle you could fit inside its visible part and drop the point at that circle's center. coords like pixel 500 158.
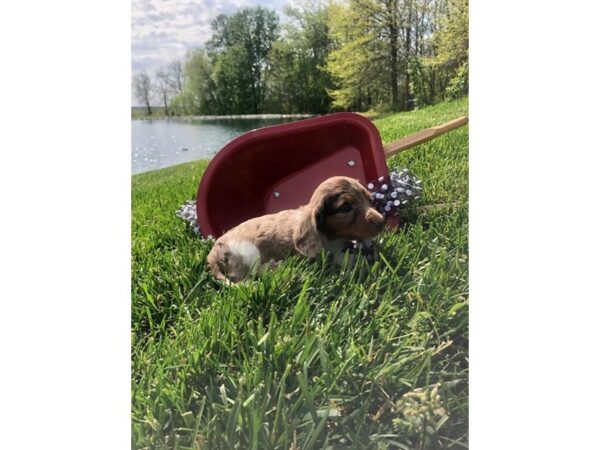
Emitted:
pixel 158 143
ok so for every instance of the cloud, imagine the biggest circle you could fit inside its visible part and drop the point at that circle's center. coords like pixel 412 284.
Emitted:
pixel 164 30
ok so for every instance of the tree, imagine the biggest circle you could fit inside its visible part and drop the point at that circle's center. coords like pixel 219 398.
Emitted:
pixel 453 46
pixel 142 89
pixel 282 78
pixel 423 73
pixel 399 53
pixel 163 88
pixel 362 62
pixel 176 77
pixel 331 54
pixel 239 48
pixel 197 88
pixel 297 63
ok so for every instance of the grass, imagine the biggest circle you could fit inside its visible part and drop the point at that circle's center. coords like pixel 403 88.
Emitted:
pixel 308 355
pixel 140 112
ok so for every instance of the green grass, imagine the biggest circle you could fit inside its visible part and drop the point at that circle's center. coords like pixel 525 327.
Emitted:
pixel 308 355
pixel 139 112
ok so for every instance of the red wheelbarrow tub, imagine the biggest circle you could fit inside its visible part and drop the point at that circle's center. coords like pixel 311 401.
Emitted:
pixel 278 167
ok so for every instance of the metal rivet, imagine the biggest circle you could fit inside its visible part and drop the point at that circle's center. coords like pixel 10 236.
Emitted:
pixel 351 163
pixel 276 194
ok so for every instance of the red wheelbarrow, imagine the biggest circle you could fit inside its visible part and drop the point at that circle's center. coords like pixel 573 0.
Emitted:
pixel 278 167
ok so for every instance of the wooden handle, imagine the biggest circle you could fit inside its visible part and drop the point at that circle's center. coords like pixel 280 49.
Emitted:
pixel 422 136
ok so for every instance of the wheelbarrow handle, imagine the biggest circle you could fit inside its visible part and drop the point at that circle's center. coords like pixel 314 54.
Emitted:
pixel 422 136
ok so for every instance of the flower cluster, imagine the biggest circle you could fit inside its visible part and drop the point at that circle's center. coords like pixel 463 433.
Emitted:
pixel 418 408
pixel 394 192
pixel 187 212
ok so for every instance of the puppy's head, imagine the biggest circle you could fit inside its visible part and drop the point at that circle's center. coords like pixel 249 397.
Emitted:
pixel 340 208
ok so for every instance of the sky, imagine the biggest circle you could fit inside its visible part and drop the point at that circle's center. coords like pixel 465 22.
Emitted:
pixel 163 30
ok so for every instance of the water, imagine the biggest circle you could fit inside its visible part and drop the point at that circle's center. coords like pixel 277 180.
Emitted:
pixel 158 143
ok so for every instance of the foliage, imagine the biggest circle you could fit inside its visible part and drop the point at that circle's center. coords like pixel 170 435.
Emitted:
pixel 358 61
pixel 397 53
pixel 163 88
pixel 238 49
pixel 143 89
pixel 329 55
pixel 283 72
pixel 198 89
pixel 452 42
pixel 453 37
pixel 308 355
pixel 420 87
pixel 459 85
pixel 296 76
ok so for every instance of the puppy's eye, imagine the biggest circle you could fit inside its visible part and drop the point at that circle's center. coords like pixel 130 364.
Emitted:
pixel 346 207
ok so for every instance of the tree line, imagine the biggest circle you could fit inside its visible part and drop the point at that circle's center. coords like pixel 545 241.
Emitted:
pixel 328 55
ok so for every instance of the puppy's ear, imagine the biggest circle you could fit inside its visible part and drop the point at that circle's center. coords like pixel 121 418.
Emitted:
pixel 306 236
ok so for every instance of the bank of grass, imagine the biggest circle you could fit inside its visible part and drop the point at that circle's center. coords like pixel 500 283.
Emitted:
pixel 308 355
pixel 140 112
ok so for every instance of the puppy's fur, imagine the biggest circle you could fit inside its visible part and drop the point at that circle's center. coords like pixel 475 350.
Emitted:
pixel 339 210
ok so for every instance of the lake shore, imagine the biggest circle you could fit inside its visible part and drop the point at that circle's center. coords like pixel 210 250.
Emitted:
pixel 251 116
pixel 135 115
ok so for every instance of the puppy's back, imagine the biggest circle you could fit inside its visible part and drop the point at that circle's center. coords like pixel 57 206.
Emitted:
pixel 242 249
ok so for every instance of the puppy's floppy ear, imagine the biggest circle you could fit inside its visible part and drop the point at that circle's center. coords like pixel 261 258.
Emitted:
pixel 306 236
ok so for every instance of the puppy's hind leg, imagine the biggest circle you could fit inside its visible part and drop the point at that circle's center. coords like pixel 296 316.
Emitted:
pixel 244 260
pixel 234 261
pixel 217 260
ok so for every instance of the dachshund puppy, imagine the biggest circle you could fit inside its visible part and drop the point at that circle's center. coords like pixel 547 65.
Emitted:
pixel 339 210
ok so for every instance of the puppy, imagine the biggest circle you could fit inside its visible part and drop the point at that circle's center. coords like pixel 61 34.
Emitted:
pixel 339 210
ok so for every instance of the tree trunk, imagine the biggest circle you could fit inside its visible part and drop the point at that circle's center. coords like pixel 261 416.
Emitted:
pixel 393 29
pixel 394 66
pixel 148 108
pixel 407 99
pixel 166 104
pixel 432 93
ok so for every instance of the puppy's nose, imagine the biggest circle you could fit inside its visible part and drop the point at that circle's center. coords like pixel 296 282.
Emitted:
pixel 376 219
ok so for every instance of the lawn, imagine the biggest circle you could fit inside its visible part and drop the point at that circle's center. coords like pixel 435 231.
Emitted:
pixel 373 356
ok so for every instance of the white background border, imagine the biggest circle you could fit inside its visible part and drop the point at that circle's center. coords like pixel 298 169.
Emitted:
pixel 65 245
pixel 65 249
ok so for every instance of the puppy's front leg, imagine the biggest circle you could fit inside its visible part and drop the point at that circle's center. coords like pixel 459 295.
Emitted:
pixel 340 250
pixel 349 249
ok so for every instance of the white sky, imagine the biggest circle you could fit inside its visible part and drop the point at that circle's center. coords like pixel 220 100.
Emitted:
pixel 163 30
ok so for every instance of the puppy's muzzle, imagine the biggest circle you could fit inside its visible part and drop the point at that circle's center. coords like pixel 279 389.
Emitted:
pixel 375 219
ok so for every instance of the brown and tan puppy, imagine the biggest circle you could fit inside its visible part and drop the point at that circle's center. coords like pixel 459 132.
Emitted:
pixel 339 210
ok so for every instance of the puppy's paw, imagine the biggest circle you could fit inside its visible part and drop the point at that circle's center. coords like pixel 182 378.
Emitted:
pixel 350 251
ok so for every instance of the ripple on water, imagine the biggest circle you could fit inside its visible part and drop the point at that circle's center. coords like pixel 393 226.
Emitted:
pixel 159 143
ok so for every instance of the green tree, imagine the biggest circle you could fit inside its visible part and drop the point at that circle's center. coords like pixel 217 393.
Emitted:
pixel 453 47
pixel 281 78
pixel 331 55
pixel 197 92
pixel 239 49
pixel 361 62
pixel 297 79
pixel 425 77
pixel 397 54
